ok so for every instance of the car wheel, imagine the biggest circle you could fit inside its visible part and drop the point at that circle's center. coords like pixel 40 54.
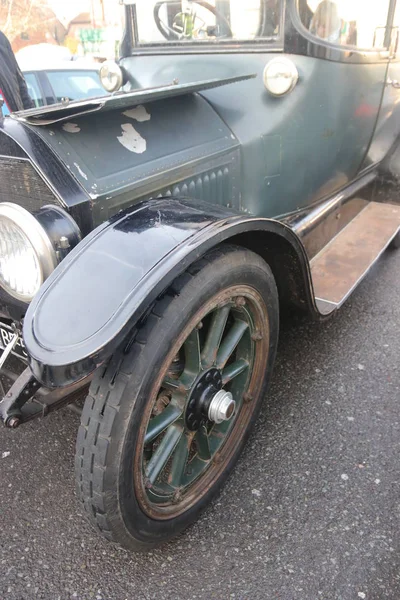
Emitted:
pixel 165 421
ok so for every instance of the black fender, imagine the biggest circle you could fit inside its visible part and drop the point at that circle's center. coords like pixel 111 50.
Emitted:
pixel 102 289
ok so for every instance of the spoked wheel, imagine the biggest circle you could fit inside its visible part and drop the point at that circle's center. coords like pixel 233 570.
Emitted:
pixel 165 423
pixel 203 403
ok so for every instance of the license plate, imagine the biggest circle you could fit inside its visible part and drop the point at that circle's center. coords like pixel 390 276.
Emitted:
pixel 6 334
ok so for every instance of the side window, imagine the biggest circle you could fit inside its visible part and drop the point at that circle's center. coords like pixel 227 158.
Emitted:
pixel 34 89
pixel 357 23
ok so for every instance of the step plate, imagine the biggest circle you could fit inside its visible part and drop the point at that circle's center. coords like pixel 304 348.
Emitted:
pixel 341 266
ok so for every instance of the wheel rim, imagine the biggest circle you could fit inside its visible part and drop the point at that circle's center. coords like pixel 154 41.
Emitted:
pixel 180 451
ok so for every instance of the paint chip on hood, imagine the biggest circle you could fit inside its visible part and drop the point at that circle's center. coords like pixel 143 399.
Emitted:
pixel 131 139
pixel 139 114
pixel 81 173
pixel 71 128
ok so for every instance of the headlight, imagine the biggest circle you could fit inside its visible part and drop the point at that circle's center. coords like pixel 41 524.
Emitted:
pixel 111 76
pixel 31 247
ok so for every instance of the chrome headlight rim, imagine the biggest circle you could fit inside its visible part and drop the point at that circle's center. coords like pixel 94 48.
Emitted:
pixel 36 236
pixel 287 73
pixel 111 76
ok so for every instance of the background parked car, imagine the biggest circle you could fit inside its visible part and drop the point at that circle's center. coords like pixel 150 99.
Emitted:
pixel 68 79
pixel 48 86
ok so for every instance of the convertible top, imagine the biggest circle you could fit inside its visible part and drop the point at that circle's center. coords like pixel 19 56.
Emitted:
pixel 57 113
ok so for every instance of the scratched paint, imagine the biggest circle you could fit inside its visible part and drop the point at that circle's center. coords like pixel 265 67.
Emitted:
pixel 81 173
pixel 131 139
pixel 71 128
pixel 139 113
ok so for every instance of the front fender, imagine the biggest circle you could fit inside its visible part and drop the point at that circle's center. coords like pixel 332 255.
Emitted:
pixel 104 286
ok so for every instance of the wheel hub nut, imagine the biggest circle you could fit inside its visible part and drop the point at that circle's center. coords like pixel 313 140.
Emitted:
pixel 222 407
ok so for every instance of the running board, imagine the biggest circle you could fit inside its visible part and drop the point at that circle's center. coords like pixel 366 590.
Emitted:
pixel 345 261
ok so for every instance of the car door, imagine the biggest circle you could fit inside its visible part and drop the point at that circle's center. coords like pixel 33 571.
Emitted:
pixel 312 141
pixel 342 58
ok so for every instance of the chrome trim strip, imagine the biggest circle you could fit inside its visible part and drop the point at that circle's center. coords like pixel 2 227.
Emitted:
pixel 327 301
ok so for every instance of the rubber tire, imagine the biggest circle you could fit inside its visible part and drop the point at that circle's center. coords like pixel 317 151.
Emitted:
pixel 111 414
pixel 395 243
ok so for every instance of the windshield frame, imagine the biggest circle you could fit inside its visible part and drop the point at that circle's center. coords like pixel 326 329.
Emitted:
pixel 132 47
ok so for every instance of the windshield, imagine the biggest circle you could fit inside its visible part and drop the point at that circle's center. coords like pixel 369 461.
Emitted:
pixel 212 21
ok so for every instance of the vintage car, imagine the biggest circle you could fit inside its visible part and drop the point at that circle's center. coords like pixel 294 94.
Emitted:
pixel 245 163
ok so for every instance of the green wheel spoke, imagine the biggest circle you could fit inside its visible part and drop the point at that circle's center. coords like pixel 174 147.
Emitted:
pixel 173 385
pixel 203 445
pixel 164 451
pixel 215 333
pixel 230 342
pixel 179 461
pixel 234 370
pixel 192 354
pixel 157 424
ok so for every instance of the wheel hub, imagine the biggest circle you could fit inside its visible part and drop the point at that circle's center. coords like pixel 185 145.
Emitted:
pixel 205 388
pixel 222 407
pixel 209 401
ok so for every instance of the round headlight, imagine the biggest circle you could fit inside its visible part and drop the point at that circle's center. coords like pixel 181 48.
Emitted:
pixel 27 256
pixel 111 76
pixel 280 76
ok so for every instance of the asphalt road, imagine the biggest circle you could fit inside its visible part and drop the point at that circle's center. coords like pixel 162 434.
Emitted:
pixel 310 513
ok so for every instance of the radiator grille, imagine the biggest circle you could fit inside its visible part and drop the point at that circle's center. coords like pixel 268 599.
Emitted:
pixel 10 148
pixel 21 184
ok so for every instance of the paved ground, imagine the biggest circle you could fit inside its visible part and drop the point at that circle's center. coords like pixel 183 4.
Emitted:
pixel 312 511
